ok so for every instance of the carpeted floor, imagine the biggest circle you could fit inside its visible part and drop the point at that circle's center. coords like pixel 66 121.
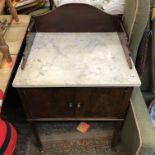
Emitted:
pixel 63 139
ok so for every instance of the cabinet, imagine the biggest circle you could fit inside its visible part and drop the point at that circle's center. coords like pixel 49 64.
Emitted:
pixel 76 76
pixel 75 103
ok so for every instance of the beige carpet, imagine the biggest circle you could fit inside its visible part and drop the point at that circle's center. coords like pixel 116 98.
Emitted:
pixel 94 142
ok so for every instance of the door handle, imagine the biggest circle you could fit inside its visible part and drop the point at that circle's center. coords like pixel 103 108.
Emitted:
pixel 79 105
pixel 70 105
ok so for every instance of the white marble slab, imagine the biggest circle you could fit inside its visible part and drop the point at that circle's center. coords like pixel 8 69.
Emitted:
pixel 75 60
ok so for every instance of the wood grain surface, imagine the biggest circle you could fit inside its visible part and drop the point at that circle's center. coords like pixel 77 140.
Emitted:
pixel 77 18
pixel 94 103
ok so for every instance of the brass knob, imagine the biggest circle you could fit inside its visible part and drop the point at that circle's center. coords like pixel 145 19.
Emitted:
pixel 70 105
pixel 78 105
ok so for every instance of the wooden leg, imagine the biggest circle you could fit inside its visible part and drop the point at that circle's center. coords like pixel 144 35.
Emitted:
pixel 36 135
pixel 51 4
pixel 117 134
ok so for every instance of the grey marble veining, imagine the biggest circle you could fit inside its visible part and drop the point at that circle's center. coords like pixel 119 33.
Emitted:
pixel 76 59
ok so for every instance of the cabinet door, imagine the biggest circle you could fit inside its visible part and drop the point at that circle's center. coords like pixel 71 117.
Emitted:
pixel 48 102
pixel 106 103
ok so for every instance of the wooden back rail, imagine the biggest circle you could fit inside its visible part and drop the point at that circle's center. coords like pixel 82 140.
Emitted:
pixel 77 18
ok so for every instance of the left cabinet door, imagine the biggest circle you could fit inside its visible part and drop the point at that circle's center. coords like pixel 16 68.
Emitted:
pixel 48 103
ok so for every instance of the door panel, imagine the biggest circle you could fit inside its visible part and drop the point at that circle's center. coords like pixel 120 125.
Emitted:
pixel 74 103
pixel 50 102
pixel 100 102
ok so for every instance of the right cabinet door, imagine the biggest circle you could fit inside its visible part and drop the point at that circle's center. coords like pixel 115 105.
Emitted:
pixel 104 103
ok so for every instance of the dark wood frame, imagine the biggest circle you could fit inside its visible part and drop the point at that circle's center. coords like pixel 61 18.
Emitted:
pixel 87 97
pixel 77 18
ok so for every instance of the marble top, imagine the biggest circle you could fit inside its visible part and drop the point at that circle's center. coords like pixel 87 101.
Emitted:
pixel 75 60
